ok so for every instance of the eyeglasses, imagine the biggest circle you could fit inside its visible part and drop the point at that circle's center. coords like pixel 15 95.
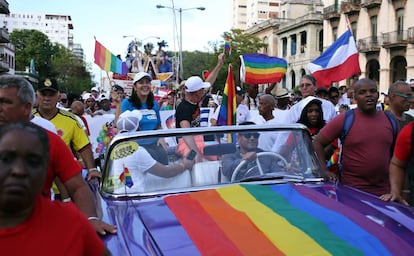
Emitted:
pixel 64 100
pixel 249 135
pixel 405 96
pixel 305 85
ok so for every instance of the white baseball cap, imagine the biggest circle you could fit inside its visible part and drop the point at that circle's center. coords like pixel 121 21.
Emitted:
pixel 141 75
pixel 128 121
pixel 95 89
pixel 195 83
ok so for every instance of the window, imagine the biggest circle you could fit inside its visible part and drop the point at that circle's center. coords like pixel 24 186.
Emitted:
pixel 400 23
pixel 374 29
pixel 354 29
pixel 284 47
pixel 302 41
pixel 293 45
pixel 335 33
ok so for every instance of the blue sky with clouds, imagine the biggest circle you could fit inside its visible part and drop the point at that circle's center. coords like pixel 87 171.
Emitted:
pixel 109 21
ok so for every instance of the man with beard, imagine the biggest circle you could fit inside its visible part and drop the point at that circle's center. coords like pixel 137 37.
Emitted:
pixel 366 149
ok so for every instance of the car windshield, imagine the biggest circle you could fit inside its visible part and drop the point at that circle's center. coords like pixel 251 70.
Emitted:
pixel 233 154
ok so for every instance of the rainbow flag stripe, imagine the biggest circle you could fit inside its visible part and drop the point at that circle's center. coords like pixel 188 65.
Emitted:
pixel 227 114
pixel 126 178
pixel 262 69
pixel 267 220
pixel 108 61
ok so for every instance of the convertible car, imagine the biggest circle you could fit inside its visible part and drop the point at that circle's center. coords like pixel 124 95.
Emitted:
pixel 257 191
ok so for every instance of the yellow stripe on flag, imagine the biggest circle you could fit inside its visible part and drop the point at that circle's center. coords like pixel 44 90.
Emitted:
pixel 286 237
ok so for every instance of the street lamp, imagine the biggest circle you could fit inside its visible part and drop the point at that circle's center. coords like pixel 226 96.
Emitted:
pixel 181 10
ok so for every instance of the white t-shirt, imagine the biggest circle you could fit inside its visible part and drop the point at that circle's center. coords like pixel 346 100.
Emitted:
pixel 44 123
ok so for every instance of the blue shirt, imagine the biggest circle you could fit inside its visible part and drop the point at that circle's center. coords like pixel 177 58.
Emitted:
pixel 150 117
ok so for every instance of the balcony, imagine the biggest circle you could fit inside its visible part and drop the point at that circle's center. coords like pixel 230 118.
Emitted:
pixel 331 12
pixel 395 39
pixel 369 44
pixel 369 4
pixel 4 7
pixel 4 36
pixel 351 7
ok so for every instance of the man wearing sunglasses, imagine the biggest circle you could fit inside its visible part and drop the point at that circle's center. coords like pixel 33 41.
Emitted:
pixel 247 150
pixel 400 96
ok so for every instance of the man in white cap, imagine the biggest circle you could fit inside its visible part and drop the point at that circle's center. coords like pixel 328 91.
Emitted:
pixel 188 112
pixel 95 92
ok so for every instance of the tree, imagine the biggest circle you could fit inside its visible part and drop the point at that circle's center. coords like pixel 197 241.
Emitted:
pixel 240 44
pixel 32 44
pixel 51 60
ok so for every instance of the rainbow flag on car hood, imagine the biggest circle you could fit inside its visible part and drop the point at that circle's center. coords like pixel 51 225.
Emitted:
pixel 279 219
pixel 261 69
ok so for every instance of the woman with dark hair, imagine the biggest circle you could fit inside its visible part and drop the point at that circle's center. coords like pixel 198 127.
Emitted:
pixel 143 99
pixel 312 116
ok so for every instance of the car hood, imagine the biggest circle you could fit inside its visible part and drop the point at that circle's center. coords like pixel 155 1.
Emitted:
pixel 262 220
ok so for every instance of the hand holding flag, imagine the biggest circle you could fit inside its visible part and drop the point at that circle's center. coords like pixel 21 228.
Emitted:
pixel 227 114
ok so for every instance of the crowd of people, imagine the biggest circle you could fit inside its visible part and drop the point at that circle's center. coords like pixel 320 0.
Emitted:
pixel 374 140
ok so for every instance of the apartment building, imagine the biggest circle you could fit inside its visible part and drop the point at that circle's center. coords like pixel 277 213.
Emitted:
pixel 7 60
pixel 247 13
pixel 57 27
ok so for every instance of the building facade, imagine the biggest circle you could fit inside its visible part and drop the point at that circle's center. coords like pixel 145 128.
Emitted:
pixel 57 27
pixel 7 59
pixel 248 13
pixel 296 37
pixel 384 33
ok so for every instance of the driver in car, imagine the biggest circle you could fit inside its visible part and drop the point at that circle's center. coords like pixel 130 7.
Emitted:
pixel 247 150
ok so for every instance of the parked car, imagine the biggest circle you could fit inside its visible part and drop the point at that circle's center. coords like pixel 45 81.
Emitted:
pixel 275 204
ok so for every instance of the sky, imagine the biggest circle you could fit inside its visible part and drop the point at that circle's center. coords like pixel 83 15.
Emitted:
pixel 109 21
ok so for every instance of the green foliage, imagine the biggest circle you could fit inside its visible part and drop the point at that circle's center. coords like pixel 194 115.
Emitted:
pixel 240 44
pixel 51 60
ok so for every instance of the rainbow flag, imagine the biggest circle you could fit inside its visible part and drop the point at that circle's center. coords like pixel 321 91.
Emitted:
pixel 126 178
pixel 108 61
pixel 261 69
pixel 281 219
pixel 227 45
pixel 227 114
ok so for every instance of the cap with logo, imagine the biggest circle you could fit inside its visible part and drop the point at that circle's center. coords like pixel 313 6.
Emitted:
pixel 48 84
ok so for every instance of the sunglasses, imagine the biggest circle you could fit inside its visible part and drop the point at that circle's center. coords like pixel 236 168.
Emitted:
pixel 334 96
pixel 405 96
pixel 249 135
pixel 64 100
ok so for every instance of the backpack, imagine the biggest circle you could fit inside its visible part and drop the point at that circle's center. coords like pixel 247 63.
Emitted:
pixel 349 120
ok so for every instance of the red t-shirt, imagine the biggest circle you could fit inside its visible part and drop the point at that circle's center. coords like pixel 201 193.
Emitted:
pixel 62 163
pixel 402 150
pixel 53 228
pixel 366 151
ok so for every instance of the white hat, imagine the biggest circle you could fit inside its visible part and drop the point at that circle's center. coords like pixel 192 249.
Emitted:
pixel 195 83
pixel 128 121
pixel 95 89
pixel 103 96
pixel 141 75
pixel 86 96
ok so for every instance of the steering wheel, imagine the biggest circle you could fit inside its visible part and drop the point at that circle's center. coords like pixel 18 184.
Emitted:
pixel 259 166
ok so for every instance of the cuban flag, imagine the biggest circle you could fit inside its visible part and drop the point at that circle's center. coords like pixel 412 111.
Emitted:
pixel 338 62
